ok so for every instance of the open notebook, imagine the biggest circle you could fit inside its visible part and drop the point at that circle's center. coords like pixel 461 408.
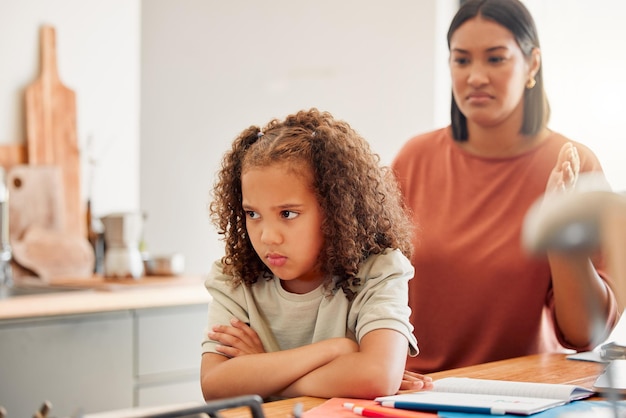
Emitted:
pixel 496 397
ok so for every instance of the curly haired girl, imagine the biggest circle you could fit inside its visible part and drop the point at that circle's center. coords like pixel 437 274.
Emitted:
pixel 311 295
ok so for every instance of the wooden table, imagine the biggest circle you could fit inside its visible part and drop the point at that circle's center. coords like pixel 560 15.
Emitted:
pixel 546 368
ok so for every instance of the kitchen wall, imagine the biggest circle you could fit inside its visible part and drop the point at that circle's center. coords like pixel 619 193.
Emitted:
pixel 211 69
pixel 179 79
pixel 98 54
pixel 584 62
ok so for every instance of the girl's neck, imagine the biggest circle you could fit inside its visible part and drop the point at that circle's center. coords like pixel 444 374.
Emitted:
pixel 500 141
pixel 300 287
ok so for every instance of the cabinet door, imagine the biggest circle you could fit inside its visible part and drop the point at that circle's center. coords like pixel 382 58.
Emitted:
pixel 169 354
pixel 78 363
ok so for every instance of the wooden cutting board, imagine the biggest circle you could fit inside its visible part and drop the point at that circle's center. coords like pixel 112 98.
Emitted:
pixel 54 254
pixel 35 199
pixel 12 154
pixel 51 130
pixel 37 232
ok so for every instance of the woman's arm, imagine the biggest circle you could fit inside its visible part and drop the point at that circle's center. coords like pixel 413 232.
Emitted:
pixel 582 299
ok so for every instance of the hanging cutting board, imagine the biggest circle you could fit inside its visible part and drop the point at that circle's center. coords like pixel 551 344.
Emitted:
pixel 51 130
pixel 53 254
pixel 35 199
pixel 11 155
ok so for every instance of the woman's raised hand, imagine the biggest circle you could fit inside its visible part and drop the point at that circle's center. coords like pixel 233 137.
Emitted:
pixel 565 172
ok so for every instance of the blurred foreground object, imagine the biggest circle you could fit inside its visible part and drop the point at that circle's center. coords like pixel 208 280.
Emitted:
pixel 583 219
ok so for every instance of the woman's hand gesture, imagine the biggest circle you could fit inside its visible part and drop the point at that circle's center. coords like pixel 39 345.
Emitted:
pixel 565 173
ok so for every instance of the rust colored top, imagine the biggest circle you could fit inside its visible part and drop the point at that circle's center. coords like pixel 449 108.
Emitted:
pixel 477 296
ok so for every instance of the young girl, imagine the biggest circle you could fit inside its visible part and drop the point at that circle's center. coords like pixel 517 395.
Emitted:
pixel 311 295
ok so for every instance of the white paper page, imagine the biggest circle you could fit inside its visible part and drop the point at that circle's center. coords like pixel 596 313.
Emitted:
pixel 498 404
pixel 498 387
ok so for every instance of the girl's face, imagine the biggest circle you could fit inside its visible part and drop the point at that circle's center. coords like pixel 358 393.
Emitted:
pixel 283 221
pixel 489 72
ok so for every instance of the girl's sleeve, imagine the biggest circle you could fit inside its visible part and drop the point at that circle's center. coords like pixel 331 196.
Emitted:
pixel 226 302
pixel 383 300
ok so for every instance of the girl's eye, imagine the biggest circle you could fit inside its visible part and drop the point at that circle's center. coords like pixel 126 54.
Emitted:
pixel 287 214
pixel 252 214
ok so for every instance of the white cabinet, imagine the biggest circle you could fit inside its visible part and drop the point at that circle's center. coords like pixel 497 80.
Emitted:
pixel 168 354
pixel 98 362
pixel 74 362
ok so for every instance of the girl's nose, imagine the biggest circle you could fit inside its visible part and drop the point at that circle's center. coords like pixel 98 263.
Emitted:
pixel 271 236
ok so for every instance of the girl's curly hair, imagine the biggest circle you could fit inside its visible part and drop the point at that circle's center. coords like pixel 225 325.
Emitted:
pixel 363 210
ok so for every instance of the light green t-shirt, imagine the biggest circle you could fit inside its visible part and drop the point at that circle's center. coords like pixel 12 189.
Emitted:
pixel 286 320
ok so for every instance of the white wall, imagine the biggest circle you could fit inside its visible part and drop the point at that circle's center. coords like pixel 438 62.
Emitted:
pixel 584 62
pixel 211 69
pixel 98 55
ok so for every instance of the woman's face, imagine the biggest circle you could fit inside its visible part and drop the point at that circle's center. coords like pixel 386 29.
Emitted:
pixel 489 72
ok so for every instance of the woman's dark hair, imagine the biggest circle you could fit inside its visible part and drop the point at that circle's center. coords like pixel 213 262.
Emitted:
pixel 515 17
pixel 364 213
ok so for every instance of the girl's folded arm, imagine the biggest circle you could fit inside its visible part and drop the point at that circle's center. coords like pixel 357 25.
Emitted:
pixel 266 374
pixel 375 370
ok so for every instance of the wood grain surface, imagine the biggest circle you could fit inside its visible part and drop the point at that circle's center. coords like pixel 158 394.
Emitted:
pixel 51 136
pixel 54 254
pixel 35 199
pixel 12 155
pixel 545 368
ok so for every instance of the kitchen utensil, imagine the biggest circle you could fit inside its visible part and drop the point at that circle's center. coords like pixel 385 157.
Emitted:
pixel 6 273
pixel 164 265
pixel 121 262
pixel 51 129
pixel 122 234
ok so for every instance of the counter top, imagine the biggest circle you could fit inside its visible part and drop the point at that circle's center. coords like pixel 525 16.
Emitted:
pixel 106 296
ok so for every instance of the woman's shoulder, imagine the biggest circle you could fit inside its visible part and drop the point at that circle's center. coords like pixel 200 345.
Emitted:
pixel 423 144
pixel 430 137
pixel 588 159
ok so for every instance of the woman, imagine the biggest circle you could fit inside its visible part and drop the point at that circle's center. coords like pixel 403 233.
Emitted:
pixel 477 296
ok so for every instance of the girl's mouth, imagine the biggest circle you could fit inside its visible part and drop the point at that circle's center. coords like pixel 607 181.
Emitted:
pixel 276 260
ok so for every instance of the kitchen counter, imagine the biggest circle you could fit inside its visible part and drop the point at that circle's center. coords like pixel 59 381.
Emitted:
pixel 108 295
pixel 137 342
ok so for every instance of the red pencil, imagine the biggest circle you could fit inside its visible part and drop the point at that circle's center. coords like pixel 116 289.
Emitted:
pixel 366 412
pixel 376 411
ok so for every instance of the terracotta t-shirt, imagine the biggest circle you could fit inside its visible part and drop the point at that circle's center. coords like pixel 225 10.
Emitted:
pixel 477 296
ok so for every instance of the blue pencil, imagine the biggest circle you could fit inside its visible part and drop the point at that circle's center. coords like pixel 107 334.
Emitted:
pixel 441 407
